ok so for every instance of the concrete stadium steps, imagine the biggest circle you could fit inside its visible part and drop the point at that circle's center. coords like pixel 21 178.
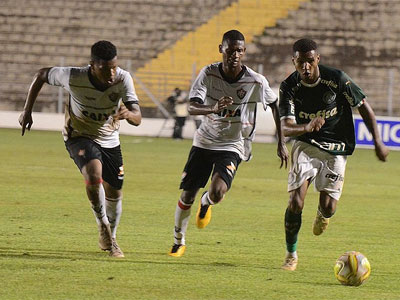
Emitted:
pixel 360 37
pixel 200 47
pixel 39 33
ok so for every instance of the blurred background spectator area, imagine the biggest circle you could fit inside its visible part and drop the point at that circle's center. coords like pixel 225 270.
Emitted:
pixel 164 43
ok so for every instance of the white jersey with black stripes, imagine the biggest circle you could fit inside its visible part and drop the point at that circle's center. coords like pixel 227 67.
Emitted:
pixel 89 111
pixel 232 129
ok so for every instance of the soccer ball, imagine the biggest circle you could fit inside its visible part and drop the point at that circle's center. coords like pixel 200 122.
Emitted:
pixel 352 268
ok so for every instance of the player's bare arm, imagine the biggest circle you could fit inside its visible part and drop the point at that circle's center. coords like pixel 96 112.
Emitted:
pixel 25 119
pixel 131 113
pixel 282 151
pixel 369 119
pixel 291 128
pixel 196 108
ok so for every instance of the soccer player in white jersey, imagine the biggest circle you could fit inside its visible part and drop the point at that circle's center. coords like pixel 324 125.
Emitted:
pixel 315 105
pixel 227 94
pixel 100 95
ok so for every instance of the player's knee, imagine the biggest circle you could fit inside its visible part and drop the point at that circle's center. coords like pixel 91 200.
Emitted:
pixel 93 180
pixel 327 205
pixel 216 195
pixel 188 197
pixel 296 204
pixel 328 210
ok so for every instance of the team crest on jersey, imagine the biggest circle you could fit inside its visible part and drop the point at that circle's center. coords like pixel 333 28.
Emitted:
pixel 329 97
pixel 241 93
pixel 114 97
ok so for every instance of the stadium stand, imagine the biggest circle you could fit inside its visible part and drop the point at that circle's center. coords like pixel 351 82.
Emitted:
pixel 39 33
pixel 360 37
pixel 164 43
pixel 200 47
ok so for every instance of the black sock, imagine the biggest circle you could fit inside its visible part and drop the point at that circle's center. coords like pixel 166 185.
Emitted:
pixel 292 228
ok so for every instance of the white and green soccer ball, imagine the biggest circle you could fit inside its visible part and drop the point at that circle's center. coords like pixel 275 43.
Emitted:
pixel 352 268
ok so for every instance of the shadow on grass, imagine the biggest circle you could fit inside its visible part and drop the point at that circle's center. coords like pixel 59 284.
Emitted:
pixel 73 255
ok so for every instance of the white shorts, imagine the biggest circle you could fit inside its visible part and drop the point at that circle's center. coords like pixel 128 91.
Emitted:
pixel 325 170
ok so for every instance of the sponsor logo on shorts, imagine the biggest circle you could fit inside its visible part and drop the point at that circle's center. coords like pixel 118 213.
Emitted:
pixel 121 173
pixel 334 177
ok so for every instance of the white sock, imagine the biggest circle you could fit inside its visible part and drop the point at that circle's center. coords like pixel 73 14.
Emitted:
pixel 292 254
pixel 98 205
pixel 205 199
pixel 182 216
pixel 114 211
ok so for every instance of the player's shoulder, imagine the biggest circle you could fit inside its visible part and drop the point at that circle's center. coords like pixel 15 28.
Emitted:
pixel 255 76
pixel 123 75
pixel 211 68
pixel 330 73
pixel 291 81
pixel 122 72
pixel 76 72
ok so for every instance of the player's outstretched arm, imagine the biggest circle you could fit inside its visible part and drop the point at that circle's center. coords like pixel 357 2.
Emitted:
pixel 369 119
pixel 196 108
pixel 131 113
pixel 25 119
pixel 282 151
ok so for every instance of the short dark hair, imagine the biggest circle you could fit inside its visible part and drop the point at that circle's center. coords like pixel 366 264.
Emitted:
pixel 304 45
pixel 103 50
pixel 233 35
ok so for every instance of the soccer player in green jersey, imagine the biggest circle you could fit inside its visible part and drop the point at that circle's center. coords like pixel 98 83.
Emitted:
pixel 316 104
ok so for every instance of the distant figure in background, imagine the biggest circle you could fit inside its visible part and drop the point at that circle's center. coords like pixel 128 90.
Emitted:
pixel 181 113
pixel 171 100
pixel 315 105
pixel 226 94
pixel 101 95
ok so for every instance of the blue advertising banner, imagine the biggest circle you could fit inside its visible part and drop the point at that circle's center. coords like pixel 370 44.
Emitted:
pixel 388 127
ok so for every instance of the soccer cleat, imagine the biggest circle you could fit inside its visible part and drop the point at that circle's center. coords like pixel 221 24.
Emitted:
pixel 290 263
pixel 203 216
pixel 177 250
pixel 115 250
pixel 105 240
pixel 320 224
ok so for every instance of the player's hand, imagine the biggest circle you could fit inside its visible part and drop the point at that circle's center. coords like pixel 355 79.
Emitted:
pixel 315 124
pixel 222 103
pixel 26 121
pixel 381 151
pixel 122 113
pixel 283 154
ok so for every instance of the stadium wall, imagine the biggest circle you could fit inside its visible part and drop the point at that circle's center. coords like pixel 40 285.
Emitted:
pixel 150 127
pixel 389 127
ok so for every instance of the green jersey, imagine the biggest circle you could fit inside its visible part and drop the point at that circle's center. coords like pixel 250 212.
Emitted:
pixel 332 98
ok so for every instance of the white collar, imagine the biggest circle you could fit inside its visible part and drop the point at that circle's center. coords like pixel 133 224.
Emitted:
pixel 312 84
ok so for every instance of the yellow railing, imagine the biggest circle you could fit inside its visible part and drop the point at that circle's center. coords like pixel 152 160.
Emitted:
pixel 200 47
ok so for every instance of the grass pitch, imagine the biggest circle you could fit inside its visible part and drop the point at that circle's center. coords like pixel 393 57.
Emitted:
pixel 48 235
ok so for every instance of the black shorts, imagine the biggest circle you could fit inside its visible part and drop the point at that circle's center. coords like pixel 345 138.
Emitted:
pixel 202 161
pixel 82 150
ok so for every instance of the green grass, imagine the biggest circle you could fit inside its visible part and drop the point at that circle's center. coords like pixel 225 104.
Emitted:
pixel 48 236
